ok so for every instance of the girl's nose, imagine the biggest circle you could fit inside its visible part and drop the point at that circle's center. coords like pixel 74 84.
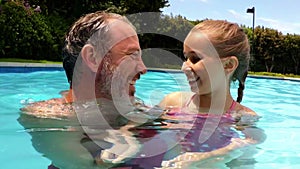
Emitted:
pixel 185 66
pixel 188 70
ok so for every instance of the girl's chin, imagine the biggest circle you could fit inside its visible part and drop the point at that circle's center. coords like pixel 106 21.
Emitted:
pixel 195 90
pixel 194 87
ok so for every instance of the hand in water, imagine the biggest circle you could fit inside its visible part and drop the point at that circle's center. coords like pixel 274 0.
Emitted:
pixel 142 113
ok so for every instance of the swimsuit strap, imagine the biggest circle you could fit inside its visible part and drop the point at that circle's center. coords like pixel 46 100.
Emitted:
pixel 232 106
pixel 189 101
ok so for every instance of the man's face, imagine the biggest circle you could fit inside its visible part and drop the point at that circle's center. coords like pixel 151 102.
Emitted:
pixel 116 77
pixel 127 56
pixel 122 65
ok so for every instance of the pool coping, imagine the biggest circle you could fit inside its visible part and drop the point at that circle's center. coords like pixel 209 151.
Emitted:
pixel 252 76
pixel 58 66
pixel 21 64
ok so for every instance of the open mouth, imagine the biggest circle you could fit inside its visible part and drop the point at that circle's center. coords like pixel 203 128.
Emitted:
pixel 134 79
pixel 195 79
pixel 132 84
pixel 191 76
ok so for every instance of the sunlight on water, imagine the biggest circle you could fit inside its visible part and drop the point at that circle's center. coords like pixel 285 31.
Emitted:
pixel 276 101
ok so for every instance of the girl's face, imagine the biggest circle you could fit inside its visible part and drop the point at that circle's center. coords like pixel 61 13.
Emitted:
pixel 203 67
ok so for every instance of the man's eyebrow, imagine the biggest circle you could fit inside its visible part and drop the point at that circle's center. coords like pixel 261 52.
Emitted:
pixel 133 49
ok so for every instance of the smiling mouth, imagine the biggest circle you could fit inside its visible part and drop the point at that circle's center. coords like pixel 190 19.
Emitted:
pixel 191 76
pixel 132 82
pixel 134 79
pixel 193 80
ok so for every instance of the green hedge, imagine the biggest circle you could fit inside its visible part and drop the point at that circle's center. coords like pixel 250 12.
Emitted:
pixel 25 34
pixel 273 74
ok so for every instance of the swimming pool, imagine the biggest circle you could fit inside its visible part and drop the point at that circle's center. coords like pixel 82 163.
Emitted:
pixel 277 101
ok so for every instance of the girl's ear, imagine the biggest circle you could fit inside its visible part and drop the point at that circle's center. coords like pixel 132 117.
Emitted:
pixel 230 64
pixel 88 54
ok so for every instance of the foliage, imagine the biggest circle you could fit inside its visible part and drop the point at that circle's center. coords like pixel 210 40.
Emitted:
pixel 170 33
pixel 29 36
pixel 39 35
pixel 273 74
pixel 28 61
pixel 275 52
pixel 73 9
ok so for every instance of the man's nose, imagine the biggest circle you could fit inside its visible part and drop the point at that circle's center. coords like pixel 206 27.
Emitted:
pixel 141 67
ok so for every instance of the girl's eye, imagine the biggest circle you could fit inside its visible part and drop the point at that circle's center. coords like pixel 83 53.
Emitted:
pixel 193 58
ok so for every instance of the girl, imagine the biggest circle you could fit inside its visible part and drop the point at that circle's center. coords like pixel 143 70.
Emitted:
pixel 217 52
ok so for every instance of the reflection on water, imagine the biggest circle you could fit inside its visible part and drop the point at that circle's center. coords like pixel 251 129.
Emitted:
pixel 170 140
pixel 279 110
pixel 58 140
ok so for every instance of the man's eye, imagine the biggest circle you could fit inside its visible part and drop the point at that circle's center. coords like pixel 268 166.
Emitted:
pixel 134 55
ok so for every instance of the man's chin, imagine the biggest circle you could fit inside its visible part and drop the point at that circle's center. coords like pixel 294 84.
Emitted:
pixel 132 99
pixel 131 91
pixel 131 94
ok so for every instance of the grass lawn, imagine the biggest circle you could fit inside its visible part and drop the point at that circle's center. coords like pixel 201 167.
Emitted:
pixel 167 66
pixel 27 61
pixel 273 74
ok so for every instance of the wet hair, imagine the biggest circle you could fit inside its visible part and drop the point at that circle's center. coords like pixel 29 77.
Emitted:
pixel 229 40
pixel 81 33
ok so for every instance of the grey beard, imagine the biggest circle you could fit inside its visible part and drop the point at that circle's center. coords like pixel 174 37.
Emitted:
pixel 104 78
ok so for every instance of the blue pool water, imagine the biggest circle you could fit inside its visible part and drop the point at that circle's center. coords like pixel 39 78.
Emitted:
pixel 277 101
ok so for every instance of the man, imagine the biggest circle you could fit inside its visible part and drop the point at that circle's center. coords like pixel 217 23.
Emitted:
pixel 98 38
pixel 102 61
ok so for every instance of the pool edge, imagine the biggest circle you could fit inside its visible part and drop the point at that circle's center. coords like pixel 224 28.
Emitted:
pixel 29 67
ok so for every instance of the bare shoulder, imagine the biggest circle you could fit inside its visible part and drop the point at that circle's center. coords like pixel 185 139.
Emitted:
pixel 243 110
pixel 177 99
pixel 249 111
pixel 53 108
pixel 245 115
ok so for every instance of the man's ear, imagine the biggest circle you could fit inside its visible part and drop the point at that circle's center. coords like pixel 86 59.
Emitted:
pixel 88 54
pixel 230 64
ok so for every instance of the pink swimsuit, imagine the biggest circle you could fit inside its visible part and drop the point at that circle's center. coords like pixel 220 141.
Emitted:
pixel 219 138
pixel 178 111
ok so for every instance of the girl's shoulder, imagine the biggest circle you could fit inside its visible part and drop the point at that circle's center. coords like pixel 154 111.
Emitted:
pixel 176 99
pixel 245 115
pixel 246 110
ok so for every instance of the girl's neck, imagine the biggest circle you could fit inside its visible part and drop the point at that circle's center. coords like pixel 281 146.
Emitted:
pixel 204 102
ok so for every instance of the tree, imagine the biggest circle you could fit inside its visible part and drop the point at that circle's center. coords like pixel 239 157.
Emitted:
pixel 292 48
pixel 46 30
pixel 29 36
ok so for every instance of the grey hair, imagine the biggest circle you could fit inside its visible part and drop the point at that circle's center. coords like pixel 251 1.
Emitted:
pixel 91 29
